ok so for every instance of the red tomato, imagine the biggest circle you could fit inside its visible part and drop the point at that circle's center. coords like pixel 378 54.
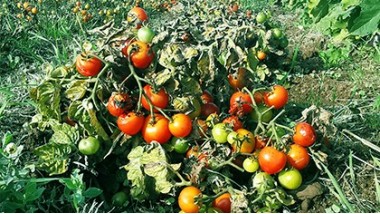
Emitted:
pixel 258 97
pixel 240 102
pixel 271 160
pixel 159 99
pixel 223 203
pixel 186 199
pixel 277 98
pixel 304 134
pixel 238 80
pixel 261 142
pixel 125 46
pixel 234 122
pixel 206 97
pixel 88 67
pixel 141 54
pixel 181 125
pixel 137 15
pixel 209 108
pixel 118 104
pixel 298 157
pixel 130 123
pixel 157 130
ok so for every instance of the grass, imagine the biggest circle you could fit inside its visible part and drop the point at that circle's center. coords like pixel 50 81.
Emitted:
pixel 349 90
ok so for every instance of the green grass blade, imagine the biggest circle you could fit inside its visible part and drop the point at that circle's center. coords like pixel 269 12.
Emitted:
pixel 342 197
pixel 377 189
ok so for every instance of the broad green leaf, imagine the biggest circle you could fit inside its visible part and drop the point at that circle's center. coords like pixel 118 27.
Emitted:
pixel 77 90
pixel 252 60
pixel 190 85
pixel 368 20
pixel 348 3
pixel 32 193
pixel 7 138
pixel 320 10
pixel 91 123
pixel 92 192
pixel 60 72
pixel 53 158
pixel 75 110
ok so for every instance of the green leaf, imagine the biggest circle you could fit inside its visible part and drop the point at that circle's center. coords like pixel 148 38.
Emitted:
pixel 7 138
pixel 368 20
pixel 92 192
pixel 60 72
pixel 32 193
pixel 64 134
pixel 190 85
pixel 77 90
pixel 262 71
pixel 47 97
pixel 348 3
pixel 53 158
pixel 252 60
pixel 319 9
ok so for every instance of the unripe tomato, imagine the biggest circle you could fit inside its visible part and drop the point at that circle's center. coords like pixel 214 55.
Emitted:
pixel 158 99
pixel 271 160
pixel 277 98
pixel 130 123
pixel 137 15
pixel 119 199
pixel 261 17
pixel 263 181
pixel 145 34
pixel 250 164
pixel 219 133
pixel 266 117
pixel 141 54
pixel 223 203
pixel 277 33
pixel 89 146
pixel 181 125
pixel 156 130
pixel 298 157
pixel 118 104
pixel 88 67
pixel 186 199
pixel 290 179
pixel 304 134
pixel 180 145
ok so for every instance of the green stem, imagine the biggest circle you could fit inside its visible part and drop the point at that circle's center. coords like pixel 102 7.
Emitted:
pixel 93 93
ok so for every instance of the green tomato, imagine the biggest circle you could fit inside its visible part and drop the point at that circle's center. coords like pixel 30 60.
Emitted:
pixel 261 17
pixel 284 42
pixel 119 199
pixel 290 179
pixel 232 137
pixel 89 146
pixel 263 181
pixel 277 33
pixel 219 133
pixel 250 165
pixel 266 117
pixel 180 145
pixel 145 34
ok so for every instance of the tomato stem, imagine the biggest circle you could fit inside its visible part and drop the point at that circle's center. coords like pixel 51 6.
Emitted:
pixel 93 93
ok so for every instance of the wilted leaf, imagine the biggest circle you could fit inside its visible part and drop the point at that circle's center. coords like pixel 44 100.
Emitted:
pixel 53 158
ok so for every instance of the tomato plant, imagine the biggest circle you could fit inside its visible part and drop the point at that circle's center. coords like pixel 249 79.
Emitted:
pixel 89 146
pixel 156 128
pixel 290 179
pixel 130 123
pixel 186 199
pixel 304 134
pixel 158 98
pixel 277 98
pixel 181 125
pixel 298 157
pixel 118 104
pixel 196 108
pixel 223 203
pixel 141 54
pixel 271 160
pixel 265 113
pixel 88 66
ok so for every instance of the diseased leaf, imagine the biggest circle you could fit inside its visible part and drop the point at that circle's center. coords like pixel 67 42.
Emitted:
pixel 77 90
pixel 53 158
pixel 47 97
pixel 64 134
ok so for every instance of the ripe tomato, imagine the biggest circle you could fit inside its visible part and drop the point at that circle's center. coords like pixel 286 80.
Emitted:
pixel 180 145
pixel 88 67
pixel 261 142
pixel 159 99
pixel 119 103
pixel 245 142
pixel 233 122
pixel 304 134
pixel 145 34
pixel 125 46
pixel 290 179
pixel 277 98
pixel 193 151
pixel 223 203
pixel 89 146
pixel 237 80
pixel 234 8
pixel 250 164
pixel 206 97
pixel 240 102
pixel 298 157
pixel 137 16
pixel 157 130
pixel 261 55
pixel 219 133
pixel 119 198
pixel 261 17
pixel 181 125
pixel 141 54
pixel 130 123
pixel 271 160
pixel 186 199
pixel 258 97
pixel 202 127
pixel 266 117
pixel 209 108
